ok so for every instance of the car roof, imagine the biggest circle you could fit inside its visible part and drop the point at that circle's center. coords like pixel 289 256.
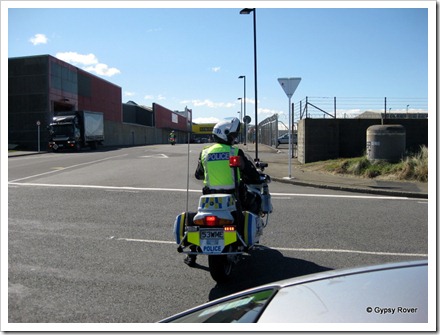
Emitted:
pixel 384 293
pixel 347 271
pixel 322 281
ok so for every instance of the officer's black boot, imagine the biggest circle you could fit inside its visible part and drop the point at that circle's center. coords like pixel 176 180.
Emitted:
pixel 190 260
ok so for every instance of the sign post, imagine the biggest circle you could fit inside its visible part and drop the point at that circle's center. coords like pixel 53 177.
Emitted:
pixel 289 86
pixel 38 126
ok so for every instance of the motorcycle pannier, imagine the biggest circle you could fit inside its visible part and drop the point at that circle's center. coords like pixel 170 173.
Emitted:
pixel 179 225
pixel 252 228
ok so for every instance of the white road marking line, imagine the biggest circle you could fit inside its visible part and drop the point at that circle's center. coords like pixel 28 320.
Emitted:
pixel 123 188
pixel 276 196
pixel 65 168
pixel 340 196
pixel 381 253
pixel 144 241
pixel 353 252
pixel 156 156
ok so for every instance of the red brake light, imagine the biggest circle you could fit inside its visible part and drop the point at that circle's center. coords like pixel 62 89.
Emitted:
pixel 234 161
pixel 211 220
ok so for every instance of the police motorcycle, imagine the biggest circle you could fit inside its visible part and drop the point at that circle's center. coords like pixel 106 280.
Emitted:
pixel 221 229
pixel 172 138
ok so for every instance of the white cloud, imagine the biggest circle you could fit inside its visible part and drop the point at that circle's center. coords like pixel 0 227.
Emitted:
pixel 215 69
pixel 39 39
pixel 206 120
pixel 103 70
pixel 153 30
pixel 250 101
pixel 209 103
pixel 152 97
pixel 88 63
pixel 129 94
pixel 75 58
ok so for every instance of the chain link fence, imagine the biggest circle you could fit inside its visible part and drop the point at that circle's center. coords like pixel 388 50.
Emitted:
pixel 271 128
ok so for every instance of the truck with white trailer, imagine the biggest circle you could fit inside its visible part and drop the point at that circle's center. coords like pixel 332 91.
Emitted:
pixel 76 129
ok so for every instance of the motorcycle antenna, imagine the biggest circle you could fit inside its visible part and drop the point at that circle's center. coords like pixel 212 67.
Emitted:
pixel 189 126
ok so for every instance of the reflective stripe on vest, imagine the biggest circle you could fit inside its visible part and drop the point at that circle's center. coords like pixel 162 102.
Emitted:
pixel 218 173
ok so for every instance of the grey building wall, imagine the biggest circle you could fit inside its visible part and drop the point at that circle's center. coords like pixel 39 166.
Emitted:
pixel 133 113
pixel 28 101
pixel 323 139
pixel 125 134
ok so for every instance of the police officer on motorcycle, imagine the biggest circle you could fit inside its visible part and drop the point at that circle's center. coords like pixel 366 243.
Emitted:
pixel 218 177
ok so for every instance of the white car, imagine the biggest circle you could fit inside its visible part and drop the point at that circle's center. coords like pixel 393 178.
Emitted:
pixel 387 293
pixel 284 139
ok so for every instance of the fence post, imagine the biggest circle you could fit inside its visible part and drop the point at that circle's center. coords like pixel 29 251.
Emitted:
pixel 307 106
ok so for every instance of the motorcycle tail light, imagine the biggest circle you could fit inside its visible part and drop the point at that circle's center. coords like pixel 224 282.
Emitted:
pixel 212 221
pixel 234 161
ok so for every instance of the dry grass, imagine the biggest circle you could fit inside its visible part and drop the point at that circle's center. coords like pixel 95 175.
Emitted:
pixel 412 168
pixel 415 167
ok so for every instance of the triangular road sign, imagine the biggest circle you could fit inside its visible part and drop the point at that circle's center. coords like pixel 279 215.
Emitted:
pixel 289 85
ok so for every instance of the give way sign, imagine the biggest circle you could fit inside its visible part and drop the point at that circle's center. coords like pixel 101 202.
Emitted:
pixel 289 85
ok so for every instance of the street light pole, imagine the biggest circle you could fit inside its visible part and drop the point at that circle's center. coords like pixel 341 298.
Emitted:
pixel 244 110
pixel 241 117
pixel 248 11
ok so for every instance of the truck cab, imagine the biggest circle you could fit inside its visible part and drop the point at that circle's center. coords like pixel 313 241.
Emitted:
pixel 65 132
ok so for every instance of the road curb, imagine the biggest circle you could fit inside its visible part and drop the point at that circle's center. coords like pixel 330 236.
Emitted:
pixel 21 154
pixel 402 194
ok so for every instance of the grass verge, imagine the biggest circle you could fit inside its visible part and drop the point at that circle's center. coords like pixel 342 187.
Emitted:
pixel 413 167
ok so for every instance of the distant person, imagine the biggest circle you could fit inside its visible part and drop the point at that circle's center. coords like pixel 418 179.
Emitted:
pixel 172 138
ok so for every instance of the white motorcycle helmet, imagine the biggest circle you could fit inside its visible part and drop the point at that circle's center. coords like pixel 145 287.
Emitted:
pixel 226 131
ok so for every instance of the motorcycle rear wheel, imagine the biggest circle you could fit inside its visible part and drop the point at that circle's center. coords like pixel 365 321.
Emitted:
pixel 220 267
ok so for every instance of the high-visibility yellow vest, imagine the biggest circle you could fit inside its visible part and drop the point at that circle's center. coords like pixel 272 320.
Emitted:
pixel 218 173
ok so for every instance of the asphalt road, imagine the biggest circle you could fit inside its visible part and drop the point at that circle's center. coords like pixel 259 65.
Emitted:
pixel 90 237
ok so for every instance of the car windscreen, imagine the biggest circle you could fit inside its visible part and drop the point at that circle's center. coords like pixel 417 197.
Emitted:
pixel 244 309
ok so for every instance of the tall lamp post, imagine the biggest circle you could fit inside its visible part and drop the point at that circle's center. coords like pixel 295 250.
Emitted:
pixel 244 110
pixel 248 11
pixel 241 117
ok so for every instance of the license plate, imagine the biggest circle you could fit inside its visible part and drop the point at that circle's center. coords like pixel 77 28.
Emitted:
pixel 212 234
pixel 212 241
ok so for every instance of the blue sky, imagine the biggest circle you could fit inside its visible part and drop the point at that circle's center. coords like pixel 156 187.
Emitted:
pixel 193 57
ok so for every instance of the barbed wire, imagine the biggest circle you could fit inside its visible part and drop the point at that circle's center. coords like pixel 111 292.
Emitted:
pixel 350 107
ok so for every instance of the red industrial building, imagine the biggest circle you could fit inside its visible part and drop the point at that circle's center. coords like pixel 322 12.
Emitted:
pixel 42 85
pixel 167 119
